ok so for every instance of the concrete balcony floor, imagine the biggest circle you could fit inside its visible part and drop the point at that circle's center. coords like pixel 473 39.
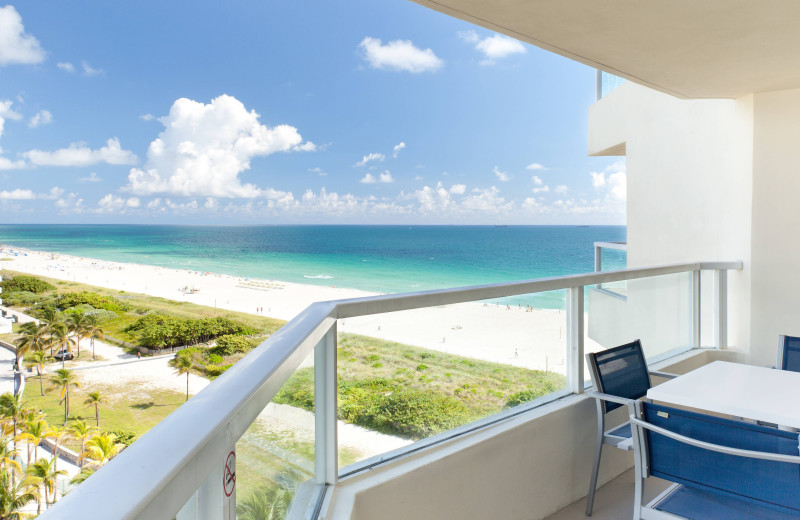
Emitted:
pixel 614 501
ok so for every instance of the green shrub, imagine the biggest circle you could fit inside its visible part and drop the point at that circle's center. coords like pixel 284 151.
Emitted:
pixel 529 395
pixel 231 344
pixel 215 359
pixel 422 367
pixel 162 331
pixel 214 370
pixel 126 437
pixel 96 301
pixel 25 283
pixel 21 298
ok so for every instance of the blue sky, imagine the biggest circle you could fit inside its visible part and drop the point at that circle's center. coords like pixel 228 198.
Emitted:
pixel 254 112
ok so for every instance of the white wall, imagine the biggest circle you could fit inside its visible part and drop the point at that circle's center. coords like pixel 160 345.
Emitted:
pixel 690 175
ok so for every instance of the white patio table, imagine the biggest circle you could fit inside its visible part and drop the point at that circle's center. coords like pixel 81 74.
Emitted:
pixel 747 391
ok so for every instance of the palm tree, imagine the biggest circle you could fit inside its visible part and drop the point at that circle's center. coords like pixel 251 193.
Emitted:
pixel 182 365
pixel 8 459
pixel 103 447
pixel 270 502
pixel 14 497
pixel 95 399
pixel 78 323
pixel 85 473
pixel 82 431
pixel 12 409
pixel 37 359
pixel 93 330
pixel 45 471
pixel 59 336
pixel 33 338
pixel 53 319
pixel 58 434
pixel 35 431
pixel 64 379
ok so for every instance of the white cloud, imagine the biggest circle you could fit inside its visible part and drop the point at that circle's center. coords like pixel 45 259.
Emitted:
pixel 308 146
pixel 147 117
pixel 399 55
pixel 501 176
pixel 458 189
pixel 368 179
pixel 561 188
pixel 371 157
pixel 537 181
pixel 19 194
pixel 535 166
pixel 16 46
pixel 66 66
pixel 41 118
pixel 385 177
pixel 115 204
pixel 543 189
pixel 493 47
pixel 612 180
pixel 6 112
pixel 91 178
pixel 204 147
pixel 397 148
pixel 8 164
pixel 78 154
pixel 90 71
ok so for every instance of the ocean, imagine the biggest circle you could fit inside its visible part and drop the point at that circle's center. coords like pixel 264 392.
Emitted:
pixel 386 259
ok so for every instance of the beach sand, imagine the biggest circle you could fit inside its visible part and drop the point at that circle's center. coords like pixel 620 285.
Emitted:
pixel 511 335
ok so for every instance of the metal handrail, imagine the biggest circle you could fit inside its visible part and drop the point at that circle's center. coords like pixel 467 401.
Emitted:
pixel 158 473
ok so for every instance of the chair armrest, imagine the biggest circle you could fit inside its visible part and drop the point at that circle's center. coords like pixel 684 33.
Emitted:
pixel 665 375
pixel 609 397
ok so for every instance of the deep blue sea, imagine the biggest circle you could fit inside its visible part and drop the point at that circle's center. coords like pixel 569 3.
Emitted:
pixel 384 259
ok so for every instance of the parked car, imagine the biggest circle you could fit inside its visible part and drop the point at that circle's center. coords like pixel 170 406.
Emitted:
pixel 63 354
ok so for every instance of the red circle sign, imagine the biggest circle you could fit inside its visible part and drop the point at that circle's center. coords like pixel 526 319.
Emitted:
pixel 229 474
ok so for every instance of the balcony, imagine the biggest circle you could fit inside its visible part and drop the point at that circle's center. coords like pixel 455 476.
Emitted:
pixel 525 461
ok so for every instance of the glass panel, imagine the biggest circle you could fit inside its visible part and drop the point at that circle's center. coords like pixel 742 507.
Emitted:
pixel 609 82
pixel 406 376
pixel 656 310
pixel 613 260
pixel 276 453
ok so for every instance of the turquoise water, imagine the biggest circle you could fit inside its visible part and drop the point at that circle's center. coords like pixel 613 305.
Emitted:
pixel 385 259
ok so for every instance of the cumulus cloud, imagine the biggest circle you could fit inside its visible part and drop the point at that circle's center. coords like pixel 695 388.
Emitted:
pixel 6 112
pixel 384 177
pixel 542 189
pixel 458 189
pixel 501 176
pixel 16 46
pixel 204 147
pixel 90 71
pixel 20 194
pixel 400 55
pixel 8 164
pixel 397 148
pixel 91 178
pixel 535 166
pixel 493 47
pixel 115 204
pixel 612 180
pixel 78 154
pixel 66 66
pixel 561 188
pixel 537 180
pixel 40 118
pixel 147 117
pixel 379 157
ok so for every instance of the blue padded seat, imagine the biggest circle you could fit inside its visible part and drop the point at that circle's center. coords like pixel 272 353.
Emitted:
pixel 721 485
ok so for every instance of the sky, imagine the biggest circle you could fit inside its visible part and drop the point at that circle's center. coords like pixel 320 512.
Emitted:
pixel 259 113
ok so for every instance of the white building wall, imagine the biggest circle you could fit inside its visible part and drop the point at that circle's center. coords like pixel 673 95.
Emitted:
pixel 689 174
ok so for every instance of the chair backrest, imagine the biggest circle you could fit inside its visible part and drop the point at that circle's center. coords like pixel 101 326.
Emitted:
pixel 789 353
pixel 620 371
pixel 771 484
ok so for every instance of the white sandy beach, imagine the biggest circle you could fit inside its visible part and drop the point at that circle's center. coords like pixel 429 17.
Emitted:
pixel 510 335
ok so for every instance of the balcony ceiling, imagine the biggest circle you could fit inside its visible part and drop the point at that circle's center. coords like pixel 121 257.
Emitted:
pixel 687 48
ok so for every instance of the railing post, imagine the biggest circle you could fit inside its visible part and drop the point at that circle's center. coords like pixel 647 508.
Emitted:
pixel 598 258
pixel 720 308
pixel 696 313
pixel 326 448
pixel 575 339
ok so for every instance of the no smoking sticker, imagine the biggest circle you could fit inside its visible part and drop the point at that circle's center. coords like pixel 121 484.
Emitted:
pixel 229 474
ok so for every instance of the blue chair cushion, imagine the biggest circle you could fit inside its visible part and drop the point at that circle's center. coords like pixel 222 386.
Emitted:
pixel 791 353
pixel 621 371
pixel 699 504
pixel 764 483
pixel 623 430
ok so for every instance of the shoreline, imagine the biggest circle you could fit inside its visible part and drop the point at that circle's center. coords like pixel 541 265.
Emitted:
pixel 530 338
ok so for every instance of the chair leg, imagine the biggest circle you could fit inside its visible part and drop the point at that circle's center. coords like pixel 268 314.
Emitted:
pixel 596 466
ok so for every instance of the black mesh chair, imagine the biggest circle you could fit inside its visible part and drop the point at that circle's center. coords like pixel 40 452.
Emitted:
pixel 789 353
pixel 620 376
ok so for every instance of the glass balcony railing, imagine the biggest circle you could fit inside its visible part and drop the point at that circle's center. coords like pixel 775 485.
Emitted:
pixel 334 392
pixel 605 83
